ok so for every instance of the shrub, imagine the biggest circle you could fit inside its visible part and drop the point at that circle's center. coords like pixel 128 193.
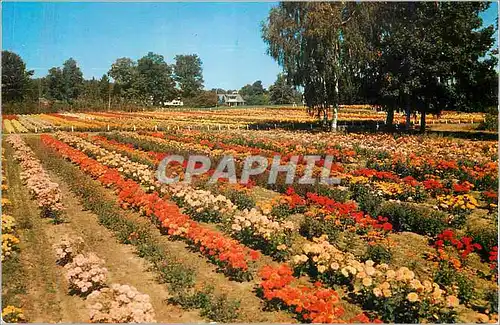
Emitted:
pixel 492 297
pixel 487 237
pixel 202 99
pixel 241 200
pixel 407 217
pixel 368 201
pixel 491 120
pixel 311 227
pixel 378 254
pixel 218 308
pixel 448 276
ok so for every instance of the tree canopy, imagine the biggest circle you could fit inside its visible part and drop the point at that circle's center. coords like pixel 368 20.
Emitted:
pixel 188 74
pixel 15 77
pixel 416 56
pixel 282 92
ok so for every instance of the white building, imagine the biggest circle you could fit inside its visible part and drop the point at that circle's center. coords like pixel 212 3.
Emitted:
pixel 233 99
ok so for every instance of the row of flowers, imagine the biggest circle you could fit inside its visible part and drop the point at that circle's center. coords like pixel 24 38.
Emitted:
pixel 259 227
pixel 87 276
pixel 10 244
pixel 324 208
pixel 249 226
pixel 441 153
pixel 13 126
pixel 344 215
pixel 47 193
pixel 311 304
pixel 387 183
pixel 250 217
pixel 232 257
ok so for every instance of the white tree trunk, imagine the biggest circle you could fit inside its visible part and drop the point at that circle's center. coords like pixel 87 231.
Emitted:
pixel 335 108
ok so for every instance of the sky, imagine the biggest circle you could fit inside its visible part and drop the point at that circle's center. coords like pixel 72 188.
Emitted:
pixel 226 36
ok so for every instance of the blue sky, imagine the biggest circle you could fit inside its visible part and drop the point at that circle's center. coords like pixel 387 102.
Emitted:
pixel 226 36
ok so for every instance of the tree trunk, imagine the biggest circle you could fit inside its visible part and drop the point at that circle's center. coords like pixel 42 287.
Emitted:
pixel 390 117
pixel 408 116
pixel 335 107
pixel 335 117
pixel 422 121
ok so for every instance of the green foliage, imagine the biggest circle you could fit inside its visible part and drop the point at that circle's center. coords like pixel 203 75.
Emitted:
pixel 378 253
pixel 124 72
pixel 407 217
pixel 201 99
pixel 149 81
pixel 311 227
pixel 55 84
pixel 368 201
pixel 15 77
pixel 318 44
pixel 281 211
pixel 254 94
pixel 66 83
pixel 221 309
pixel 218 308
pixel 188 74
pixel 155 83
pixel 492 297
pixel 281 92
pixel 491 120
pixel 403 216
pixel 72 80
pixel 487 237
pixel 447 276
pixel 241 199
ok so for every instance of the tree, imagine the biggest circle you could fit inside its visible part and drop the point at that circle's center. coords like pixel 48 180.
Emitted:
pixel 15 77
pixel 254 94
pixel 72 79
pixel 124 72
pixel 90 90
pixel 312 41
pixel 218 90
pixel 105 89
pixel 202 99
pixel 55 84
pixel 188 74
pixel 281 92
pixel 155 82
pixel 429 58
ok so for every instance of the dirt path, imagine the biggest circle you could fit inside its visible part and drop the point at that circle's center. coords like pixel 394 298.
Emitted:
pixel 46 299
pixel 123 265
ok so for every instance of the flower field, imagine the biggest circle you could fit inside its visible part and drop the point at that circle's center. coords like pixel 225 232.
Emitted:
pixel 218 119
pixel 409 235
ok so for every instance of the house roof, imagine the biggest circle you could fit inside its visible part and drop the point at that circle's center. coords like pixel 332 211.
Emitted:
pixel 231 98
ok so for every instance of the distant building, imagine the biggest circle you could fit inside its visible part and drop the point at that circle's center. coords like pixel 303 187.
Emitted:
pixel 175 102
pixel 233 99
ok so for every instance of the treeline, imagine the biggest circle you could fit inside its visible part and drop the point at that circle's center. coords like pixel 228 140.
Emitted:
pixel 403 56
pixel 147 82
pixel 128 85
pixel 279 93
